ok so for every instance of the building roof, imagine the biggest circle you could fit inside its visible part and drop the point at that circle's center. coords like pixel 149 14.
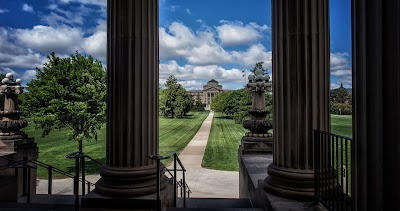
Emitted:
pixel 213 80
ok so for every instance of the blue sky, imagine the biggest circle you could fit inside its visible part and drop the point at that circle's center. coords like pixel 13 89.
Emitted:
pixel 199 40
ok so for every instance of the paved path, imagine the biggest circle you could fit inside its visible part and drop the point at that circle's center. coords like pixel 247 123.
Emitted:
pixel 203 182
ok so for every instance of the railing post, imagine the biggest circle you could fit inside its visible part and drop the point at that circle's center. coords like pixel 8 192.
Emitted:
pixel 28 199
pixel 158 185
pixel 24 177
pixel 175 181
pixel 50 180
pixel 76 191
pixel 184 189
pixel 83 173
pixel 316 167
pixel 181 188
pixel 76 179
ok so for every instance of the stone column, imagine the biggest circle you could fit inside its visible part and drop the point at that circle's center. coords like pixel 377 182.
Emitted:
pixel 132 100
pixel 300 92
pixel 376 103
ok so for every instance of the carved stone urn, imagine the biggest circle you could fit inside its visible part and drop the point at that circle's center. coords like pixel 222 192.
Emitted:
pixel 258 139
pixel 10 122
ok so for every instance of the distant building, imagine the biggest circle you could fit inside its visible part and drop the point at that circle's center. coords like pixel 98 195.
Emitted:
pixel 209 91
pixel 340 95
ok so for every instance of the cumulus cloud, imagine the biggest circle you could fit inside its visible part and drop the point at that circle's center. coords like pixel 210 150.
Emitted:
pixel 202 48
pixel 27 8
pixel 254 54
pixel 188 11
pixel 5 70
pixel 47 39
pixel 237 33
pixel 3 10
pixel 15 55
pixel 73 15
pixel 199 74
pixel 198 48
pixel 28 75
pixel 96 45
pixel 340 64
pixel 102 3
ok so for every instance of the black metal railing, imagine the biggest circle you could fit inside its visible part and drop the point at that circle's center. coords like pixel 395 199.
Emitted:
pixel 332 160
pixel 181 184
pixel 26 174
pixel 27 165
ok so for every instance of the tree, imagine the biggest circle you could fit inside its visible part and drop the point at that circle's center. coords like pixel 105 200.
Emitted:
pixel 68 92
pixel 183 102
pixel 177 100
pixel 259 65
pixel 217 102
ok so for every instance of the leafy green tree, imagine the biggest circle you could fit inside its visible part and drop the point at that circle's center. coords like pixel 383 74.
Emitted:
pixel 172 87
pixel 68 92
pixel 183 102
pixel 161 100
pixel 217 102
pixel 177 100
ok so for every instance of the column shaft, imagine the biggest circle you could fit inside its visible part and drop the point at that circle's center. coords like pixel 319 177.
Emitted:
pixel 300 91
pixel 376 101
pixel 132 99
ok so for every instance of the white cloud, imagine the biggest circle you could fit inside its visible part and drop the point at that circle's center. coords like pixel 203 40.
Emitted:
pixel 340 64
pixel 28 60
pixel 28 75
pixel 27 8
pixel 3 10
pixel 5 70
pixel 173 8
pixel 73 15
pixel 188 11
pixel 256 53
pixel 236 33
pixel 201 48
pixel 102 3
pixel 197 48
pixel 47 39
pixel 187 74
pixel 96 45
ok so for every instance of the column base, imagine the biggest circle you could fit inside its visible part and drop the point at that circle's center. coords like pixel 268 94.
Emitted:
pixel 290 183
pixel 142 203
pixel 129 182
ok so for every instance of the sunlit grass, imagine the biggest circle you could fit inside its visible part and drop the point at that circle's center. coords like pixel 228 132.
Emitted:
pixel 174 135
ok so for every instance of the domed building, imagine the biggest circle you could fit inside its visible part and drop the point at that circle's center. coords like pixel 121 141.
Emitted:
pixel 209 91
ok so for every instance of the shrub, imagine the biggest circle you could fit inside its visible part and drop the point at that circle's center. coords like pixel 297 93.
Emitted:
pixel 341 109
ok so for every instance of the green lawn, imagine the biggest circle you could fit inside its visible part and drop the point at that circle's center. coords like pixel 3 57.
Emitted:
pixel 223 143
pixel 174 135
pixel 342 125
pixel 225 136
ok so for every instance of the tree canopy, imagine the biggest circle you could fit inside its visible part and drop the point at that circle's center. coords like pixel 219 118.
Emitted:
pixel 68 92
pixel 175 101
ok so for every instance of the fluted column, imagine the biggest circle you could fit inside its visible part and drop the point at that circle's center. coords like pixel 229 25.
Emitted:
pixel 376 102
pixel 132 99
pixel 301 93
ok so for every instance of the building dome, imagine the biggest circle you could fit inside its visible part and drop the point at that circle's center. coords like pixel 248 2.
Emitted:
pixel 212 81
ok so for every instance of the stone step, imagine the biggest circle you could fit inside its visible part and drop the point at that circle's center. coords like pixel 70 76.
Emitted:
pixel 214 209
pixel 214 203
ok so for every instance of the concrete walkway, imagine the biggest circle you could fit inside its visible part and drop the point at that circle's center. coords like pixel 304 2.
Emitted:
pixel 204 183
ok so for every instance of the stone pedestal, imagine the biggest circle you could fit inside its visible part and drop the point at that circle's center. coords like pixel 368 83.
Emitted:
pixel 300 92
pixel 132 102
